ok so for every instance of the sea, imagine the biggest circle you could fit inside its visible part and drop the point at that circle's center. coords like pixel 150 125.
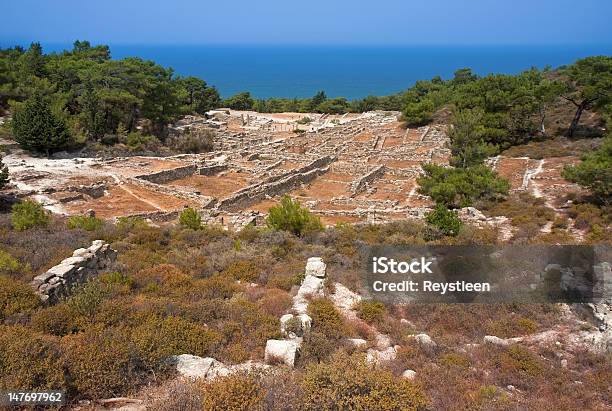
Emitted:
pixel 342 71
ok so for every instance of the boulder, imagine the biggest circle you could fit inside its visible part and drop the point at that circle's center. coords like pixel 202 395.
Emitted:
pixel 282 351
pixel 357 342
pixel 426 342
pixel 380 356
pixel 312 286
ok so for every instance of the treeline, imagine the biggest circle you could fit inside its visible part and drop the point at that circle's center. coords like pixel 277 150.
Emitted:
pixel 319 103
pixel 83 94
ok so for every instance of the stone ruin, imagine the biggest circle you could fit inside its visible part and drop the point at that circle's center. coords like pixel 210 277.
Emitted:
pixel 285 351
pixel 85 263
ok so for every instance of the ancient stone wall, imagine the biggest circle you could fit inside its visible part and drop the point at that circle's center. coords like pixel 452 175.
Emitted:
pixel 362 182
pixel 59 281
pixel 165 176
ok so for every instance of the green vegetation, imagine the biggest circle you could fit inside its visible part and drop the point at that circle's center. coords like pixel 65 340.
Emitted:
pixel 461 187
pixel 290 216
pixel 372 312
pixel 29 214
pixel 4 177
pixel 595 172
pixel 82 94
pixel 445 220
pixel 87 223
pixel 190 218
pixel 36 128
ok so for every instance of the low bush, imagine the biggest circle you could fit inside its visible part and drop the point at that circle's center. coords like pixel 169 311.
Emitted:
pixel 30 360
pixel 291 216
pixel 372 312
pixel 237 392
pixel 444 220
pixel 190 218
pixel 29 214
pixel 9 266
pixel 348 382
pixel 16 297
pixel 87 223
pixel 246 271
pixel 326 319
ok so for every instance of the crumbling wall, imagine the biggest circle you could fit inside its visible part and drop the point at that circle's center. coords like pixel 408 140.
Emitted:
pixel 362 182
pixel 276 185
pixel 164 176
pixel 59 281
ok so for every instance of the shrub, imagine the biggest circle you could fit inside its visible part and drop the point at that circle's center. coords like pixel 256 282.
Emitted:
pixel 325 318
pixel 29 214
pixel 30 360
pixel 237 392
pixel 57 320
pixel 87 223
pixel 101 363
pixel 348 382
pixel 372 312
pixel 243 270
pixel 158 338
pixel 190 218
pixel 9 265
pixel 518 366
pixel 317 347
pixel 194 142
pixel 137 141
pixel 16 297
pixel 291 216
pixel 444 219
pixel 460 187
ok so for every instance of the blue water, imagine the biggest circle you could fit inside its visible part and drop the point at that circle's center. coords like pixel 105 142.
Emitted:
pixel 344 71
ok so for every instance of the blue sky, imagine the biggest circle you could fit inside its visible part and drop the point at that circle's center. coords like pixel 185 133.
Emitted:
pixel 390 22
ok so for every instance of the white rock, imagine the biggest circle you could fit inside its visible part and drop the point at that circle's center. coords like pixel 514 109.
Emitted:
pixel 406 322
pixel 306 321
pixel 409 374
pixel 195 367
pixel 316 267
pixel 425 342
pixel 500 342
pixel 311 286
pixel 284 320
pixel 343 298
pixel 376 357
pixel 284 351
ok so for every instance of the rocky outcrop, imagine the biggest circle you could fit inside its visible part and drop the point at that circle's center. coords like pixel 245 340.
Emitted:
pixel 59 281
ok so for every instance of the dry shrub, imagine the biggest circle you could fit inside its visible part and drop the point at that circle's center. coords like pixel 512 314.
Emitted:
pixel 282 390
pixel 55 320
pixel 518 366
pixel 101 363
pixel 16 297
pixel 165 276
pixel 275 302
pixel 372 312
pixel 246 271
pixel 237 392
pixel 177 395
pixel 30 360
pixel 326 319
pixel 348 382
pixel 216 286
pixel 158 338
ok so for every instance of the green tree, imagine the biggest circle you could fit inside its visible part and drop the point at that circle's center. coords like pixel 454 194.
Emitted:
pixel 419 113
pixel 589 85
pixel 36 128
pixel 190 218
pixel 317 100
pixel 4 178
pixel 240 101
pixel 595 171
pixel 466 136
pixel 290 216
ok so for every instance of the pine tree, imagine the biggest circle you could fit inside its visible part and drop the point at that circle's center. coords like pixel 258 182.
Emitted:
pixel 36 128
pixel 3 174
